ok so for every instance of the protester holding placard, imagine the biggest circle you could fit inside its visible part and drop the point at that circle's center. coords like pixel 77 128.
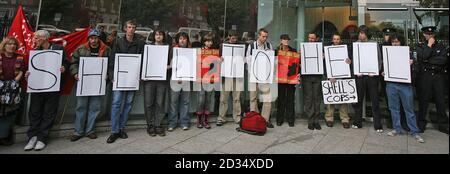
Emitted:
pixel 312 92
pixel 12 69
pixel 155 94
pixel 286 92
pixel 179 100
pixel 260 44
pixel 87 106
pixel 433 71
pixel 233 86
pixel 43 105
pixel 402 94
pixel 206 92
pixel 369 83
pixel 129 44
pixel 343 108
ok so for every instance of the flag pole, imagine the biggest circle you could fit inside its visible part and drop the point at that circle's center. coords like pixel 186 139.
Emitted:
pixel 39 15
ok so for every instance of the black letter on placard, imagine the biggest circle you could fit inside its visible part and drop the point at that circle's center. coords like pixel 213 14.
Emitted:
pixel 84 75
pixel 389 68
pixel 123 72
pixel 317 58
pixel 336 60
pixel 254 63
pixel 45 71
pixel 176 72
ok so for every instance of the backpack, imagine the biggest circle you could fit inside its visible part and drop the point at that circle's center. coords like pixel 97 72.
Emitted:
pixel 253 123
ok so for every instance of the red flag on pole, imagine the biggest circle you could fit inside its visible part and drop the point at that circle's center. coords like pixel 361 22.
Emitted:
pixel 22 31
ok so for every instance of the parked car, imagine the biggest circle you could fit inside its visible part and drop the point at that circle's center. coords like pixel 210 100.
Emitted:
pixel 108 27
pixel 53 30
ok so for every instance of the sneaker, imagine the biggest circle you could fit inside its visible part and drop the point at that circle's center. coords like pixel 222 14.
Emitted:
pixel 39 146
pixel 419 139
pixel 31 144
pixel 393 133
pixel 354 126
pixel 75 138
pixel 170 129
pixel 379 131
pixel 112 138
pixel 220 123
pixel 185 128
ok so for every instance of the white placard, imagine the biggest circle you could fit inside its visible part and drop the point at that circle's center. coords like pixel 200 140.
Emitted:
pixel 396 64
pixel 184 64
pixel 335 57
pixel 127 72
pixel 233 61
pixel 365 58
pixel 45 74
pixel 341 92
pixel 312 58
pixel 262 67
pixel 155 62
pixel 92 76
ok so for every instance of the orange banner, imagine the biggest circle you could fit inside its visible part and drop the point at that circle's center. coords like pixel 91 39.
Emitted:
pixel 208 66
pixel 288 67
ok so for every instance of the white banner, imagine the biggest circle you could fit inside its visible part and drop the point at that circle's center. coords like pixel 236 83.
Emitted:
pixel 127 72
pixel 45 73
pixel 312 58
pixel 92 76
pixel 262 67
pixel 365 58
pixel 341 92
pixel 335 57
pixel 155 62
pixel 184 64
pixel 396 64
pixel 233 61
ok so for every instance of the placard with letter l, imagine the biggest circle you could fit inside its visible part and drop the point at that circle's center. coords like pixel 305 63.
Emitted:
pixel 365 58
pixel 396 64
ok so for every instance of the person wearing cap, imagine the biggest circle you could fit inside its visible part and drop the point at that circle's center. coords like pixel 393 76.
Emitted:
pixel 87 107
pixel 387 32
pixel 432 66
pixel 286 92
pixel 367 84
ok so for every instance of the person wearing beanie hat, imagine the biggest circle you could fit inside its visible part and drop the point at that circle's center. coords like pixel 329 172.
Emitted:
pixel 87 106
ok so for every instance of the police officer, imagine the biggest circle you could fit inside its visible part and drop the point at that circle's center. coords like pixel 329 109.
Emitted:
pixel 433 60
pixel 387 32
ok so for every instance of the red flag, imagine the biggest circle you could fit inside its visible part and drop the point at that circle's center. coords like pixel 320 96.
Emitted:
pixel 71 42
pixel 22 31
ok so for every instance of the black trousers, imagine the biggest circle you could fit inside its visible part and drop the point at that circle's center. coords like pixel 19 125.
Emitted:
pixel 43 110
pixel 432 85
pixel 367 85
pixel 285 103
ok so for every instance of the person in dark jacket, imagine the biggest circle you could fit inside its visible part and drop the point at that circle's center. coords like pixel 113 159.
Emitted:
pixel 129 44
pixel 44 105
pixel 433 62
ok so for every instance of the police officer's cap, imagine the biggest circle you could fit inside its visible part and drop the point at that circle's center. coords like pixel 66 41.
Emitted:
pixel 430 29
pixel 389 31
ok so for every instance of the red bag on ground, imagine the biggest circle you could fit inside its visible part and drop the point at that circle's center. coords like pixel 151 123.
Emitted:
pixel 253 123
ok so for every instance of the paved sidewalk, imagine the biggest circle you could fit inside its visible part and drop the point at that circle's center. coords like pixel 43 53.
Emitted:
pixel 226 140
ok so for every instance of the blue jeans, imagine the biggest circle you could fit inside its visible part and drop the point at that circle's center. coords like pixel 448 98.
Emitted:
pixel 90 107
pixel 179 103
pixel 119 118
pixel 398 92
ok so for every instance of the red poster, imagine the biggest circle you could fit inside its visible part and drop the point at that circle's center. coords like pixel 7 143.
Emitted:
pixel 288 67
pixel 209 66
